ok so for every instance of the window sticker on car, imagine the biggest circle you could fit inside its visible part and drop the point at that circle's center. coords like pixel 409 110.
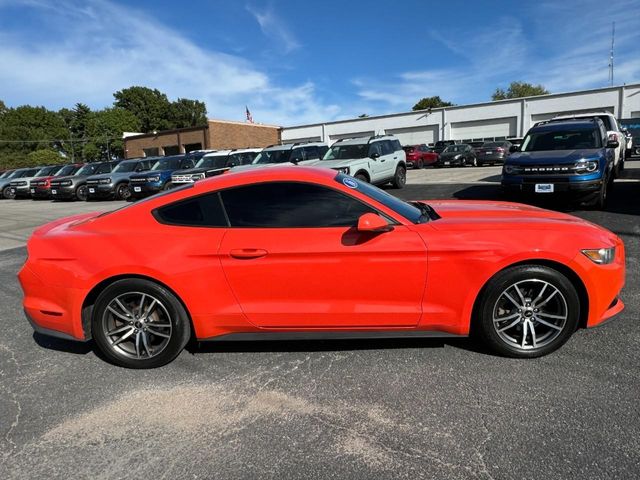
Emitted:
pixel 350 182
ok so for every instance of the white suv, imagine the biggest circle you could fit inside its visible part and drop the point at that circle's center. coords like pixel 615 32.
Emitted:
pixel 377 160
pixel 614 132
pixel 295 153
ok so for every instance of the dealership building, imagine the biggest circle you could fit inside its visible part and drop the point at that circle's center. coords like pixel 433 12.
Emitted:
pixel 482 121
pixel 217 135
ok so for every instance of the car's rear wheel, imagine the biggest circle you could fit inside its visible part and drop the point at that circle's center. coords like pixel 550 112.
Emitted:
pixel 81 193
pixel 528 311
pixel 139 324
pixel 400 177
pixel 420 164
pixel 123 192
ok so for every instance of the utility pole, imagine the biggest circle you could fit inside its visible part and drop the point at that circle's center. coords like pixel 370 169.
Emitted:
pixel 613 34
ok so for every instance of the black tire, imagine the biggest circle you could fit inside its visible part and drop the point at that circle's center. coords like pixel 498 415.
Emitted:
pixel 81 193
pixel 167 186
pixel 123 192
pixel 124 354
pixel 420 164
pixel 493 300
pixel 400 177
pixel 602 197
pixel 6 193
pixel 361 177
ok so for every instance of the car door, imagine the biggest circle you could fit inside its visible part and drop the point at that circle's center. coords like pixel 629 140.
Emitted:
pixel 389 159
pixel 294 259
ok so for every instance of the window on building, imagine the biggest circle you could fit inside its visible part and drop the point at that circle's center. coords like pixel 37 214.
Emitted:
pixel 190 147
pixel 291 204
pixel 171 150
pixel 151 152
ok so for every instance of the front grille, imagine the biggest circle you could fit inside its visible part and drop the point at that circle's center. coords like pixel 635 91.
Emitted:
pixel 139 180
pixel 92 182
pixel 38 184
pixel 547 169
pixel 182 178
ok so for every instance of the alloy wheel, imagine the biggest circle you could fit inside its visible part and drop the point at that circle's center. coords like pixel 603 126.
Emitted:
pixel 530 314
pixel 81 193
pixel 137 325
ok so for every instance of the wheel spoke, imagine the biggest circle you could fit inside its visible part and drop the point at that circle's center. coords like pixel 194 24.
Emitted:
pixel 141 306
pixel 145 343
pixel 548 324
pixel 512 324
pixel 525 326
pixel 159 325
pixel 548 315
pixel 123 337
pixel 533 334
pixel 118 314
pixel 159 334
pixel 542 290
pixel 138 344
pixel 502 319
pixel 547 300
pixel 124 309
pixel 512 300
pixel 119 330
pixel 520 295
pixel 150 308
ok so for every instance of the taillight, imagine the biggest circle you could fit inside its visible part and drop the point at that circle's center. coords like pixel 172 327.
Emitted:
pixel 500 149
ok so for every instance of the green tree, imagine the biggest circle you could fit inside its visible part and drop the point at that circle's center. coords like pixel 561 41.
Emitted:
pixel 45 156
pixel 519 90
pixel 188 113
pixel 431 102
pixel 105 129
pixel 151 107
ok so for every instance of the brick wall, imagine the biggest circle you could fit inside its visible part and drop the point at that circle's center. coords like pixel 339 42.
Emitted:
pixel 224 135
pixel 134 146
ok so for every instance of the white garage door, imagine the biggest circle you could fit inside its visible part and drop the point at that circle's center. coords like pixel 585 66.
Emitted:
pixel 495 127
pixel 415 135
pixel 339 136
pixel 548 116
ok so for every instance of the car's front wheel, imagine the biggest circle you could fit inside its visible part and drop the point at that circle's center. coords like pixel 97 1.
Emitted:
pixel 123 192
pixel 6 193
pixel 528 311
pixel 400 177
pixel 81 193
pixel 137 323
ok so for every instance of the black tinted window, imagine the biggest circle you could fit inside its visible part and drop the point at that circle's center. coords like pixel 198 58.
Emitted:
pixel 386 147
pixel 282 204
pixel 202 211
pixel 310 153
pixel 103 168
pixel 322 150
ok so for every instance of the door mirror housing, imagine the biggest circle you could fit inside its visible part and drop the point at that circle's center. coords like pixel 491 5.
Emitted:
pixel 613 144
pixel 296 160
pixel 514 148
pixel 373 223
pixel 374 155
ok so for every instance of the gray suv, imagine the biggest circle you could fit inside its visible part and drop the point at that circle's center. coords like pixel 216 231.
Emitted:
pixel 116 183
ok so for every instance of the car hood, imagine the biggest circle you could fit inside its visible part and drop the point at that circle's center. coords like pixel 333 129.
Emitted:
pixel 477 215
pixel 553 156
pixel 111 175
pixel 197 170
pixel 450 154
pixel 25 179
pixel 152 173
pixel 73 178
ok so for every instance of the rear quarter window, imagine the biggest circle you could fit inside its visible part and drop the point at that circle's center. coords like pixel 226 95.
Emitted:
pixel 201 211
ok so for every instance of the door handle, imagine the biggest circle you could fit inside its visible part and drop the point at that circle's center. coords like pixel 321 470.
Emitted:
pixel 248 253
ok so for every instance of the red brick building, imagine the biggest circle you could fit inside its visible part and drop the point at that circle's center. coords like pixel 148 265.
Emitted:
pixel 218 135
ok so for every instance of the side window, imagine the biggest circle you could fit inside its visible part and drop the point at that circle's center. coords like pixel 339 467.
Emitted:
pixel 202 211
pixel 104 168
pixel 375 148
pixel 311 153
pixel 290 204
pixel 387 147
pixel 396 145
pixel 186 163
pixel 322 150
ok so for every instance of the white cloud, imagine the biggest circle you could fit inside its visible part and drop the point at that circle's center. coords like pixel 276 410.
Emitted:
pixel 273 27
pixel 85 51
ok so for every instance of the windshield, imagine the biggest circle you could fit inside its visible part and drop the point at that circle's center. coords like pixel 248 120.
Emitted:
pixel 6 174
pixel 45 171
pixel 66 170
pixel 455 148
pixel 340 152
pixel 167 164
pixel 405 209
pixel 213 161
pixel 272 156
pixel 561 140
pixel 125 167
pixel 88 169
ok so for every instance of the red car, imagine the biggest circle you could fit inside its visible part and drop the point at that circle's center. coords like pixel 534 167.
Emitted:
pixel 419 156
pixel 300 252
pixel 41 187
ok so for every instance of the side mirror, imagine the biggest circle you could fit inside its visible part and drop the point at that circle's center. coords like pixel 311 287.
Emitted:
pixel 514 148
pixel 613 144
pixel 374 155
pixel 371 222
pixel 296 160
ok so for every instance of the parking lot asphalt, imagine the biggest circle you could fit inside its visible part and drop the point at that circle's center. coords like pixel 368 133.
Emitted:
pixel 330 409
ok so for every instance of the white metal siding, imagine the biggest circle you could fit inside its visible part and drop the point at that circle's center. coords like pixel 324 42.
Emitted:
pixel 338 136
pixel 495 127
pixel 302 140
pixel 548 116
pixel 415 135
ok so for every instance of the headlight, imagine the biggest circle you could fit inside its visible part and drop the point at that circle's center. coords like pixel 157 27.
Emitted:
pixel 601 256
pixel 153 179
pixel 586 166
pixel 105 181
pixel 512 169
pixel 344 170
pixel 66 183
pixel 22 184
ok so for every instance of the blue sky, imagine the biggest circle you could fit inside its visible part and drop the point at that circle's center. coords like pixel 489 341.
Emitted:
pixel 298 62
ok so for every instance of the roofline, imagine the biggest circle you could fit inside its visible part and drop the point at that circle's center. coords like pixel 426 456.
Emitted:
pixel 468 105
pixel 246 124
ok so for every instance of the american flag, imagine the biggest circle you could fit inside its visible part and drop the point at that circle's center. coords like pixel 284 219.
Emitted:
pixel 249 117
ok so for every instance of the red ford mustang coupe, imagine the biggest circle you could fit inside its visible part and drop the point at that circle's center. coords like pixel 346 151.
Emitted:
pixel 297 252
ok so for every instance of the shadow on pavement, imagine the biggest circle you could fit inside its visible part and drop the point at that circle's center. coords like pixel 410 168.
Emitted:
pixel 60 345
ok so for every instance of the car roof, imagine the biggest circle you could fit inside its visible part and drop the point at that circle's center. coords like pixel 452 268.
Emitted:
pixel 577 124
pixel 583 115
pixel 290 146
